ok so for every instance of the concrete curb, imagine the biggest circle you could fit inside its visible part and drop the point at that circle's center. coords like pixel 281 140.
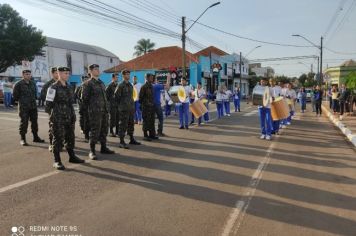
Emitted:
pixel 347 132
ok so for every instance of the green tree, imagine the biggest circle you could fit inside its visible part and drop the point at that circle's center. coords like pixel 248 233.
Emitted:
pixel 351 81
pixel 143 46
pixel 283 78
pixel 18 41
pixel 302 79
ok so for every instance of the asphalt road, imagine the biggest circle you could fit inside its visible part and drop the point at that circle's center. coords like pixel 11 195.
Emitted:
pixel 217 179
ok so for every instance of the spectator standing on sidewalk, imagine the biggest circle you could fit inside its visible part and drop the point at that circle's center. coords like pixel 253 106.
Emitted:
pixel 335 99
pixel 329 94
pixel 312 98
pixel 344 100
pixel 318 97
pixel 302 96
pixel 7 88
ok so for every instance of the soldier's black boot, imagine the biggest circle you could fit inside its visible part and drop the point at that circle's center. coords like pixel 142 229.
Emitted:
pixel 86 137
pixel 73 158
pixel 37 139
pixel 23 140
pixel 105 150
pixel 117 131
pixel 112 134
pixel 146 137
pixel 92 153
pixel 153 136
pixel 133 141
pixel 123 144
pixel 50 147
pixel 57 161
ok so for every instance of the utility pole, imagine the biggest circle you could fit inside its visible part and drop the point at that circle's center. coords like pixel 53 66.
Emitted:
pixel 321 61
pixel 240 65
pixel 318 71
pixel 183 47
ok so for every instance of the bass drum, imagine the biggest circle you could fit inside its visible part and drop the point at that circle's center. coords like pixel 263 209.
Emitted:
pixel 279 109
pixel 177 94
pixel 261 96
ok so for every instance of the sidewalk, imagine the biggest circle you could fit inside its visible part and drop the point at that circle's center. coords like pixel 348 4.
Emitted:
pixel 347 125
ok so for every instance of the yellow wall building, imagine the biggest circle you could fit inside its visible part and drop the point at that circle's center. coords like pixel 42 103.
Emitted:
pixel 337 75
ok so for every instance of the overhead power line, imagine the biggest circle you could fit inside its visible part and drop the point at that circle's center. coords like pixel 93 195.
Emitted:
pixel 254 40
pixel 282 58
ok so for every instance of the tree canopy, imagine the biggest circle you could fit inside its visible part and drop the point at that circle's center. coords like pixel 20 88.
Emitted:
pixel 143 46
pixel 18 40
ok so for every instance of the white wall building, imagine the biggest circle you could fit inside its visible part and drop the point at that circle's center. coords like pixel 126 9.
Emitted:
pixel 60 52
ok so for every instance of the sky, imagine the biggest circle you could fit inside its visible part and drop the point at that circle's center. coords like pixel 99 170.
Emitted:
pixel 273 21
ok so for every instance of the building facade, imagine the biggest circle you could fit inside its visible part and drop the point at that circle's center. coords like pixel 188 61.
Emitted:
pixel 58 52
pixel 337 75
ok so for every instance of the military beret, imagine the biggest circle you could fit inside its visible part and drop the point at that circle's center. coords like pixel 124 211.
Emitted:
pixel 63 68
pixel 125 71
pixel 53 69
pixel 26 71
pixel 93 66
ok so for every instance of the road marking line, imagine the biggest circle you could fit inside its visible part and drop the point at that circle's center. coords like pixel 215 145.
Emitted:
pixel 37 178
pixel 251 113
pixel 236 216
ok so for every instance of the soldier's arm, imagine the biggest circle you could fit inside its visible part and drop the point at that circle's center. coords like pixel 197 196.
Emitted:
pixel 117 93
pixel 142 95
pixel 16 92
pixel 48 106
pixel 44 91
pixel 109 92
pixel 85 94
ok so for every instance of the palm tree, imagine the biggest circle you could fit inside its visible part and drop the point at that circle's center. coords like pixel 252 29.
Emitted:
pixel 143 46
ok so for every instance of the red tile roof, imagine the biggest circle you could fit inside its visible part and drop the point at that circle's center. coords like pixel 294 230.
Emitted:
pixel 213 50
pixel 161 58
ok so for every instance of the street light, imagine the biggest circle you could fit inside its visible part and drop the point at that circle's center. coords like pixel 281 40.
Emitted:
pixel 184 31
pixel 321 53
pixel 253 49
pixel 240 64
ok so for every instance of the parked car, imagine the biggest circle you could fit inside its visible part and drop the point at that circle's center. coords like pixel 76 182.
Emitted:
pixel 309 92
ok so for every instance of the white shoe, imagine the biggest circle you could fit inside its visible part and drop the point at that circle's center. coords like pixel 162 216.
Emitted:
pixel 284 126
pixel 288 123
pixel 262 136
pixel 340 118
pixel 228 115
pixel 268 137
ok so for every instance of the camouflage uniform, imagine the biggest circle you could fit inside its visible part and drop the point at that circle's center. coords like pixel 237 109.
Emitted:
pixel 25 93
pixel 43 98
pixel 62 116
pixel 113 107
pixel 148 109
pixel 95 102
pixel 83 113
pixel 126 106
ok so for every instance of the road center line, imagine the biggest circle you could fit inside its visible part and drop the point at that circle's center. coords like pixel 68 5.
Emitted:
pixel 237 214
pixel 37 178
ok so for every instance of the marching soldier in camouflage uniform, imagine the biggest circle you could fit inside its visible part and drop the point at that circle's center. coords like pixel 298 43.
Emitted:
pixel 148 109
pixel 95 102
pixel 59 103
pixel 83 114
pixel 114 113
pixel 25 93
pixel 126 105
pixel 43 97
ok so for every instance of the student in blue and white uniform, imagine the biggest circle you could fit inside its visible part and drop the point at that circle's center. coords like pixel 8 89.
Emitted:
pixel 138 112
pixel 184 107
pixel 265 117
pixel 237 96
pixel 275 92
pixel 227 101
pixel 200 94
pixel 168 102
pixel 219 102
